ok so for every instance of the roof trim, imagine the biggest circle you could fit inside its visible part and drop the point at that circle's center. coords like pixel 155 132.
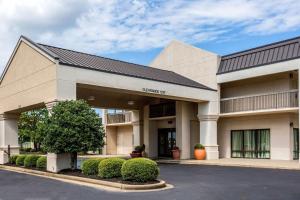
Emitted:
pixel 260 56
pixel 50 56
pixel 262 47
pixel 139 65
pixel 122 74
pixel 241 69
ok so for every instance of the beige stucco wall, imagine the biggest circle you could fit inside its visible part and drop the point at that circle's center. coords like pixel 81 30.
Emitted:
pixel 111 140
pixel 280 132
pixel 272 83
pixel 30 80
pixel 124 139
pixel 192 62
pixel 119 139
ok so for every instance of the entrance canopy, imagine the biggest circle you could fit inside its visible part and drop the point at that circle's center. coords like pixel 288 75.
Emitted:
pixel 38 73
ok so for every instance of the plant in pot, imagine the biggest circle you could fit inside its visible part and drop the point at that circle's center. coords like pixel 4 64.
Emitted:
pixel 176 153
pixel 138 150
pixel 199 152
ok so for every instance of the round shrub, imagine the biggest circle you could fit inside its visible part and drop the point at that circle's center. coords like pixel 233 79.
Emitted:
pixel 199 146
pixel 20 160
pixel 30 160
pixel 13 159
pixel 110 167
pixel 41 163
pixel 90 166
pixel 140 170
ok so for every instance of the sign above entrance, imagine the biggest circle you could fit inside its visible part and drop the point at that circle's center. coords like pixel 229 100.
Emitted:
pixel 154 91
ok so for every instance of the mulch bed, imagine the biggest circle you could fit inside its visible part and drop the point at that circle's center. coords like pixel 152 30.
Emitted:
pixel 78 173
pixel 116 180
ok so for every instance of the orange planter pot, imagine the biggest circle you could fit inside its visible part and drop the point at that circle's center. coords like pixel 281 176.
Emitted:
pixel 200 154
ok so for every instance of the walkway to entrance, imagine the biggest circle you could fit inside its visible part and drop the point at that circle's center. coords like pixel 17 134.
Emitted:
pixel 256 163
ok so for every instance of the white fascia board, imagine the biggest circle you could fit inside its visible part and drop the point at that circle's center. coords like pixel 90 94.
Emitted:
pixel 259 71
pixel 137 85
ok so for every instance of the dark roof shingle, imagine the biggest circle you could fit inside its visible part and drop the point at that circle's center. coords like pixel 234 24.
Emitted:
pixel 93 62
pixel 263 55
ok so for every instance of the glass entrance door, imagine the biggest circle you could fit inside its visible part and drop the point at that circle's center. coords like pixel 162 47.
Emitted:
pixel 166 141
pixel 250 143
pixel 296 144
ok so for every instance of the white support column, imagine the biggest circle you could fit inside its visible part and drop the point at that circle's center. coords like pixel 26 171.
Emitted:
pixel 149 134
pixel 183 131
pixel 146 130
pixel 104 123
pixel 136 127
pixel 8 136
pixel 208 117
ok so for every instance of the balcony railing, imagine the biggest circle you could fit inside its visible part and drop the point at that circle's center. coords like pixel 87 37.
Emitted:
pixel 113 118
pixel 286 99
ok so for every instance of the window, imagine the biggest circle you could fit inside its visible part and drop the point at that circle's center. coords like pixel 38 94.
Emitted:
pixel 250 143
pixel 162 110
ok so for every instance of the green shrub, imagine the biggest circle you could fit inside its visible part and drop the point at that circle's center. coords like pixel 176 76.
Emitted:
pixel 30 160
pixel 139 148
pixel 110 167
pixel 41 163
pixel 12 159
pixel 140 170
pixel 199 146
pixel 90 166
pixel 20 160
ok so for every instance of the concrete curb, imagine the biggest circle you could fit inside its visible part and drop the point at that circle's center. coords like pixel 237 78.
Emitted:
pixel 148 187
pixel 183 162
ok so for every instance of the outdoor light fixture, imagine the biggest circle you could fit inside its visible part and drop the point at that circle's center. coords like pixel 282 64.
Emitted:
pixel 130 103
pixel 91 98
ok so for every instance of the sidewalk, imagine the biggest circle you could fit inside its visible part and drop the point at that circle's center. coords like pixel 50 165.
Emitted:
pixel 256 163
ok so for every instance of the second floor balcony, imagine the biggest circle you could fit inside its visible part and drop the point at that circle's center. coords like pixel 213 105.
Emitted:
pixel 118 118
pixel 277 100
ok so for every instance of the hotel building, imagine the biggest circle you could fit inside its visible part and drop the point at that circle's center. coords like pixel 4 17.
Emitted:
pixel 242 105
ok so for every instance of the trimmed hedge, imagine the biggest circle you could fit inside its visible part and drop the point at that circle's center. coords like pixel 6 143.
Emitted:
pixel 13 159
pixel 110 167
pixel 41 163
pixel 30 160
pixel 20 160
pixel 140 170
pixel 90 166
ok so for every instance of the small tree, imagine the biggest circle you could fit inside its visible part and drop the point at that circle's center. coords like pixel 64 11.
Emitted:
pixel 28 124
pixel 73 127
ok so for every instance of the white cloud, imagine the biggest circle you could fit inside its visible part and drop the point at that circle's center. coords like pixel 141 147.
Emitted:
pixel 99 26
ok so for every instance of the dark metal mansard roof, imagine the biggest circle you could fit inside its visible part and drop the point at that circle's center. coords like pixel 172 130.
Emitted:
pixel 93 62
pixel 263 55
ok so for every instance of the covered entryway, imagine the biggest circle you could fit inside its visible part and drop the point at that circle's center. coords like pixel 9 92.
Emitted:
pixel 39 75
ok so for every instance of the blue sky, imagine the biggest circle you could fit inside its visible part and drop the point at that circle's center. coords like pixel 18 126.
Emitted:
pixel 219 47
pixel 136 30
